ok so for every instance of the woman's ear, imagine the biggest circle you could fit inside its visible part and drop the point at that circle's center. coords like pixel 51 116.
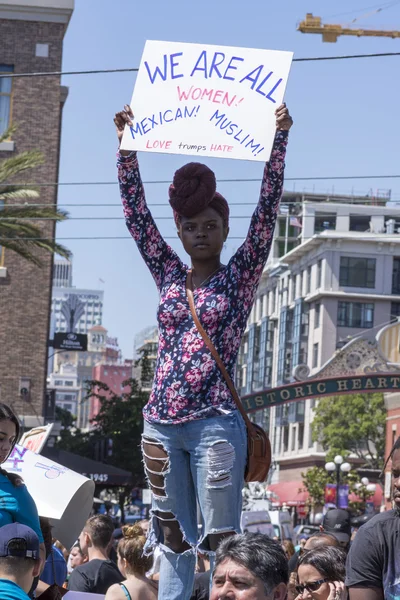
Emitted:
pixel 178 232
pixel 226 233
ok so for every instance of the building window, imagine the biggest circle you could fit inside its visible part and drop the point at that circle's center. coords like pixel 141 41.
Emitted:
pixel 319 273
pixel 58 382
pixel 69 383
pixel 359 223
pixel 396 276
pixel 356 314
pixel 285 439
pixel 317 315
pixel 300 436
pixel 394 311
pixel 308 285
pixel 315 356
pixel 5 97
pixel 357 272
pixel 323 222
pixel 310 437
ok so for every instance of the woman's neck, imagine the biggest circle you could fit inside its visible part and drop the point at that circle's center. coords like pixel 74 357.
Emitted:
pixel 135 577
pixel 202 270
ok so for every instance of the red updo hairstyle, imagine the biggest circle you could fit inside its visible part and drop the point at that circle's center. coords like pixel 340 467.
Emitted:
pixel 194 189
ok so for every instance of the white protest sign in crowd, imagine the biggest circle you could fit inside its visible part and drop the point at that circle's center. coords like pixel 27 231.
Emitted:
pixel 61 495
pixel 207 100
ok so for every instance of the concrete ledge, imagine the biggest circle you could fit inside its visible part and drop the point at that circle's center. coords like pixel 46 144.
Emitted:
pixel 3 271
pixel 7 146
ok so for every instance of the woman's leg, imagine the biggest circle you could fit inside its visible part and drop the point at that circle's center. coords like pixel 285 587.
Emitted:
pixel 174 524
pixel 218 461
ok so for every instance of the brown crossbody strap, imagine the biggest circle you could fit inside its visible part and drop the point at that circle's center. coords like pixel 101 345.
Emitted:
pixel 214 351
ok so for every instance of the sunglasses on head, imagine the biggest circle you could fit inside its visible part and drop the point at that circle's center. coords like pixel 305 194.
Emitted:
pixel 311 586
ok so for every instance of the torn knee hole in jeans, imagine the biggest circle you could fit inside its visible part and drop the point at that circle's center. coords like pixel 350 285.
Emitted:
pixel 156 465
pixel 174 536
pixel 221 457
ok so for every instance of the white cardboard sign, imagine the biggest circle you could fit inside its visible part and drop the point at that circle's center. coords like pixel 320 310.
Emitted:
pixel 35 438
pixel 61 495
pixel 207 100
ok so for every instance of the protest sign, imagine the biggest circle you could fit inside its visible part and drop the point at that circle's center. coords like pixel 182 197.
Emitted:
pixel 61 495
pixel 207 100
pixel 35 438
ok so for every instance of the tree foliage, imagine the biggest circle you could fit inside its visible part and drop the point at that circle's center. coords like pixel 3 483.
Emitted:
pixel 119 420
pixel 19 228
pixel 316 478
pixel 352 424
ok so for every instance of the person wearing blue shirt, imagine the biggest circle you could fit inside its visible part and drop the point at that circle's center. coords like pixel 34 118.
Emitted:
pixel 16 503
pixel 19 561
pixel 55 569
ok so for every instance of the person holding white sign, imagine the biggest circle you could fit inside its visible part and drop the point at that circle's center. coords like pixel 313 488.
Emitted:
pixel 194 440
pixel 16 503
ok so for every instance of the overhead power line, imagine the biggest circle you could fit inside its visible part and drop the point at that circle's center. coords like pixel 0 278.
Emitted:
pixel 130 70
pixel 236 180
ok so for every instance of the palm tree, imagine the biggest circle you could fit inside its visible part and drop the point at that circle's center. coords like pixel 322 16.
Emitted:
pixel 18 231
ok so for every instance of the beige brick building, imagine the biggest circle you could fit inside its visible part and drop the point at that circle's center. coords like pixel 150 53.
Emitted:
pixel 31 40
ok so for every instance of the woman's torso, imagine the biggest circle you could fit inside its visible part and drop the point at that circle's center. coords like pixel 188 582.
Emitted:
pixel 188 384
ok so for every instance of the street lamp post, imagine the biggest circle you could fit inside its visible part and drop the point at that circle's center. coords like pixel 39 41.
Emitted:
pixel 364 487
pixel 339 466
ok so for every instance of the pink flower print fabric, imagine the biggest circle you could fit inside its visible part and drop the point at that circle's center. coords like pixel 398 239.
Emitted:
pixel 187 382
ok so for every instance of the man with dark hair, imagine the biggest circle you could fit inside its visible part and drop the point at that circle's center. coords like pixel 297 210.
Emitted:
pixel 250 566
pixel 373 564
pixel 99 573
pixel 19 561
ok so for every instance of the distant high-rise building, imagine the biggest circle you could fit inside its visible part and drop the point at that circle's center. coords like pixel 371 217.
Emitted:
pixel 63 289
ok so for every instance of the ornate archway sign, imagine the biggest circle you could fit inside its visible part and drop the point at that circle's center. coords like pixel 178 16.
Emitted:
pixel 362 366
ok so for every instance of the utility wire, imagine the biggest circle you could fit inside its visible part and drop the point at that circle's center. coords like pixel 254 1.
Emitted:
pixel 321 215
pixel 236 180
pixel 130 70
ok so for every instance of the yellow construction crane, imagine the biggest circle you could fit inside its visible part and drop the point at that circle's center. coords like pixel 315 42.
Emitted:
pixel 330 33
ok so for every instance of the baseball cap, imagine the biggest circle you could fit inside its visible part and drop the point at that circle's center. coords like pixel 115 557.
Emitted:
pixel 337 522
pixel 16 532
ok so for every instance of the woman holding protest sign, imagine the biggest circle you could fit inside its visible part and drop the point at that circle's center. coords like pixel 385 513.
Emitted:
pixel 194 440
pixel 16 503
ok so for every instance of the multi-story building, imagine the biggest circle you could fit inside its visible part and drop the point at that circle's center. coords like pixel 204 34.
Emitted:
pixel 340 279
pixel 66 388
pixel 114 376
pixel 91 300
pixel 31 41
pixel 102 350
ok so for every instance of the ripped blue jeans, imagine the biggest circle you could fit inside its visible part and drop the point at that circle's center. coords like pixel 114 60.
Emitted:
pixel 204 461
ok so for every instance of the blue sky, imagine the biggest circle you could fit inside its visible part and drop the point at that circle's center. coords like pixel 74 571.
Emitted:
pixel 346 123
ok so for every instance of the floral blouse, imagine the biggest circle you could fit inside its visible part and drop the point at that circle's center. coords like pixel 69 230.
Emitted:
pixel 187 383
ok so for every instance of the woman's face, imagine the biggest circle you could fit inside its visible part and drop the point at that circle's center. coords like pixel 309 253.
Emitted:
pixel 308 574
pixel 203 235
pixel 77 558
pixel 8 432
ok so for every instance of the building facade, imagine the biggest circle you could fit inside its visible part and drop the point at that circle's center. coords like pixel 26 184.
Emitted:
pixel 114 376
pixel 92 300
pixel 31 41
pixel 341 279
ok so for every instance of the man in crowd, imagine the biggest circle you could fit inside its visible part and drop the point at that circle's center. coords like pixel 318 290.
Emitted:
pixel 19 561
pixel 337 521
pixel 99 573
pixel 250 566
pixel 373 564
